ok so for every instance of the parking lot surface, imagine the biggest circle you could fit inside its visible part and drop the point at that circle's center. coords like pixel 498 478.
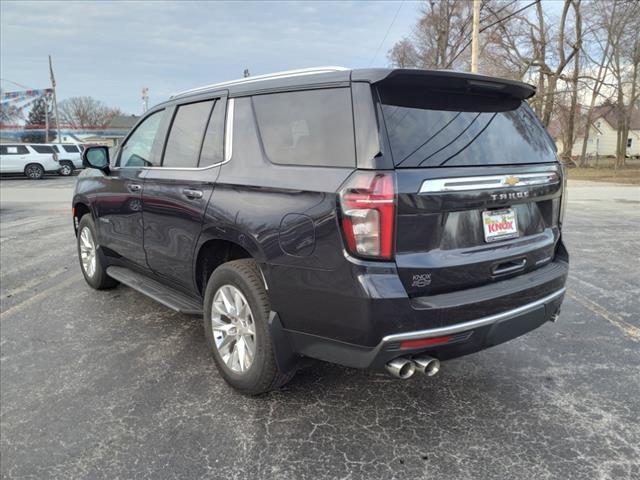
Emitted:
pixel 113 385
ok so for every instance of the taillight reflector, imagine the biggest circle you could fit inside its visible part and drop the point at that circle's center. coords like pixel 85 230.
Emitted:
pixel 426 342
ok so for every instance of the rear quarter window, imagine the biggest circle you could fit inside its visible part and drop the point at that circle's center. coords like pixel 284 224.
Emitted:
pixel 13 150
pixel 70 148
pixel 309 128
pixel 430 134
pixel 43 148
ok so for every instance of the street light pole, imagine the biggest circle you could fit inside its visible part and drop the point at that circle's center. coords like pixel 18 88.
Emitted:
pixel 475 36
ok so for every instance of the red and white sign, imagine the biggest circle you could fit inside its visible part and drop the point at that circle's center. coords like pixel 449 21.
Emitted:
pixel 499 224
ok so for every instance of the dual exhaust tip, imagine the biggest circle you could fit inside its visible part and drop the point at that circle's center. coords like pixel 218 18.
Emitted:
pixel 405 368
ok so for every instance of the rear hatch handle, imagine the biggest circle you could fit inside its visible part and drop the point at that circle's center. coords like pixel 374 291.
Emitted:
pixel 509 267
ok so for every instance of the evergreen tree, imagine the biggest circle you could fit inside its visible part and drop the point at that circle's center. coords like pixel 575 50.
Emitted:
pixel 37 120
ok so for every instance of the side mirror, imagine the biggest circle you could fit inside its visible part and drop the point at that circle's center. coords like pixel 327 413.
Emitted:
pixel 96 157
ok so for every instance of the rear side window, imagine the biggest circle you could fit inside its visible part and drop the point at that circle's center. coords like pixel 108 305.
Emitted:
pixel 313 127
pixel 185 137
pixel 214 137
pixel 424 131
pixel 13 150
pixel 42 148
pixel 70 148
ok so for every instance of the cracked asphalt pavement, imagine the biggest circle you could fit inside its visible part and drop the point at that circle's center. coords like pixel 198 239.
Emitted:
pixel 113 385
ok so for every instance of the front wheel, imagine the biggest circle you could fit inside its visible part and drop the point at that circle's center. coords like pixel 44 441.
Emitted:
pixel 34 171
pixel 91 264
pixel 236 315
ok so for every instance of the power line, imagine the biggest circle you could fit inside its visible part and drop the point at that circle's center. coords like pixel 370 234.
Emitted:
pixel 15 83
pixel 489 26
pixel 387 33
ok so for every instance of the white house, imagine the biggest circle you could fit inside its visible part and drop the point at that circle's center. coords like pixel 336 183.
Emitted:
pixel 603 134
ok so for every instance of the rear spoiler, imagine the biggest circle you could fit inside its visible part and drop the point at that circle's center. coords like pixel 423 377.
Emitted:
pixel 446 80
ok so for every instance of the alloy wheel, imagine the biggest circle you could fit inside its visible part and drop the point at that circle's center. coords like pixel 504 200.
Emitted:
pixel 88 252
pixel 34 172
pixel 233 327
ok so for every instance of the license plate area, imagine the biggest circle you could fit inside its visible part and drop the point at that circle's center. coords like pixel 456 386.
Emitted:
pixel 499 224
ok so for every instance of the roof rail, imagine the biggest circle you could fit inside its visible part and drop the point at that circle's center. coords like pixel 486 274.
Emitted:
pixel 258 78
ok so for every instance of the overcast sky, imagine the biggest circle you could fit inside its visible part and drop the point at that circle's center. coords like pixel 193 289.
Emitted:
pixel 111 49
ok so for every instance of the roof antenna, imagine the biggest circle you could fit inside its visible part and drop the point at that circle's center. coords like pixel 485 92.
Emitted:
pixel 246 73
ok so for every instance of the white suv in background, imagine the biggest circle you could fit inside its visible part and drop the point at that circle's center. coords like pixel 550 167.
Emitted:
pixel 31 160
pixel 69 156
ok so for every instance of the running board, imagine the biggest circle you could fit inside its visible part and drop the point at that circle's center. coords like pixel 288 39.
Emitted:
pixel 167 296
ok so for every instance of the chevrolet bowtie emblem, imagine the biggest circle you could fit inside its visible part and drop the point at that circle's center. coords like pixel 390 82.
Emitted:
pixel 511 181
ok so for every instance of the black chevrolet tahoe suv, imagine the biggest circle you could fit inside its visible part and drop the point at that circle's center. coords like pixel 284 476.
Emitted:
pixel 374 218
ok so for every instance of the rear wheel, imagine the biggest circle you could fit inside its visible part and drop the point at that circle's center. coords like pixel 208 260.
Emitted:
pixel 91 264
pixel 66 169
pixel 236 317
pixel 34 171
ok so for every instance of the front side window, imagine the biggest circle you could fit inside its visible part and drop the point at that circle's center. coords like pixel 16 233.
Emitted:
pixel 312 127
pixel 185 137
pixel 136 152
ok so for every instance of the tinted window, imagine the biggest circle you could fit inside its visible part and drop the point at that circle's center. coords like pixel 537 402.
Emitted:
pixel 13 150
pixel 313 127
pixel 185 137
pixel 55 148
pixel 42 148
pixel 214 137
pixel 425 137
pixel 70 148
pixel 136 152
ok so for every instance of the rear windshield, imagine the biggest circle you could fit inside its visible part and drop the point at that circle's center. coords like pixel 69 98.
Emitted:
pixel 425 132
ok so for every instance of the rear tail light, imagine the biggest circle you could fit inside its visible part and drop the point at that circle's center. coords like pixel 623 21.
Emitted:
pixel 563 198
pixel 368 205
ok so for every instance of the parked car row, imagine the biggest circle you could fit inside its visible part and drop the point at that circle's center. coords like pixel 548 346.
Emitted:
pixel 34 160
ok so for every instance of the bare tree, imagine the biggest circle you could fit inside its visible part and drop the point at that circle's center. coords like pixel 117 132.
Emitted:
pixel 442 32
pixel 625 58
pixel 569 133
pixel 599 43
pixel 86 112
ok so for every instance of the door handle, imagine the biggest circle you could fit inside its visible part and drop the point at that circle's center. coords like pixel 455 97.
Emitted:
pixel 192 194
pixel 134 187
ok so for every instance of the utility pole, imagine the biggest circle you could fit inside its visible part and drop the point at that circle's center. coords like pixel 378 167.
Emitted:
pixel 46 118
pixel 55 101
pixel 475 36
pixel 145 99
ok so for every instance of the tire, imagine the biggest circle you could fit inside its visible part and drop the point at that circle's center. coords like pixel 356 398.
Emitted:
pixel 262 374
pixel 66 169
pixel 96 276
pixel 34 171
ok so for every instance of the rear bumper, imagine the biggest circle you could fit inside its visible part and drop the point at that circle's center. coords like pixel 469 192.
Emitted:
pixel 467 337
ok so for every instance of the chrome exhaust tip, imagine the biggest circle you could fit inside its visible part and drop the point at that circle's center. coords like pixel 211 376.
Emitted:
pixel 427 365
pixel 401 368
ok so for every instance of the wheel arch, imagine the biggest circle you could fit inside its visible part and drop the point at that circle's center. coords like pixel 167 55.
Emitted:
pixel 80 208
pixel 214 250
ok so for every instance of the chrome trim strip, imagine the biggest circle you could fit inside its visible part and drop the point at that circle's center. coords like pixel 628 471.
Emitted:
pixel 228 131
pixel 228 140
pixel 481 322
pixel 258 78
pixel 488 182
